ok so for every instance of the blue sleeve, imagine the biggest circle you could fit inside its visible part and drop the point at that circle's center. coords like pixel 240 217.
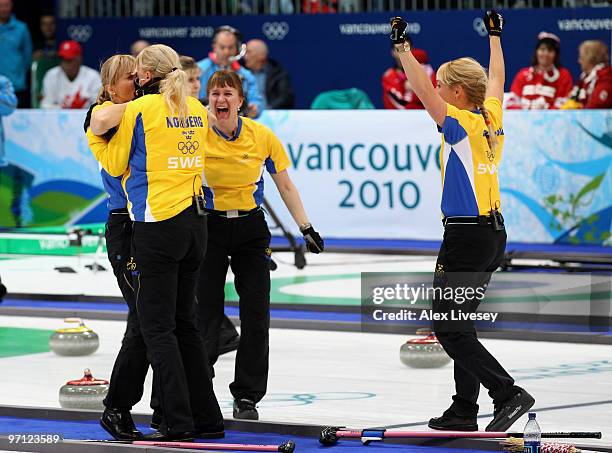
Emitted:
pixel 27 48
pixel 253 94
pixel 8 100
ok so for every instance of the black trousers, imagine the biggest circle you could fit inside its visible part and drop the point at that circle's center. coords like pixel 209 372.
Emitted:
pixel 131 364
pixel 168 256
pixel 246 241
pixel 468 256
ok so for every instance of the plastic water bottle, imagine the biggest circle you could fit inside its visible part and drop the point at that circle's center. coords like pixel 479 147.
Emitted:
pixel 532 435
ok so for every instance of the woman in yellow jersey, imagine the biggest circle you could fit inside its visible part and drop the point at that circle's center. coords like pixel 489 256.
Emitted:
pixel 131 364
pixel 467 107
pixel 238 150
pixel 159 148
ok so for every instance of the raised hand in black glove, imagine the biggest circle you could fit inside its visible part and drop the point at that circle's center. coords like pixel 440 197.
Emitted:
pixel 494 22
pixel 314 243
pixel 398 30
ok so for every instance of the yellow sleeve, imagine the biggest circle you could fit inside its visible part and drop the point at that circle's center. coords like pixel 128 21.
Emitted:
pixel 277 160
pixel 494 108
pixel 115 161
pixel 97 144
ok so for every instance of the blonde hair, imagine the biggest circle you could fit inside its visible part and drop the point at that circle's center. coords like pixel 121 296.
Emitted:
pixel 595 51
pixel 163 63
pixel 472 77
pixel 111 70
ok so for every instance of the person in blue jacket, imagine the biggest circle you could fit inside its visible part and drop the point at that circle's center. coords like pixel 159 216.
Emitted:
pixel 227 49
pixel 16 44
pixel 8 104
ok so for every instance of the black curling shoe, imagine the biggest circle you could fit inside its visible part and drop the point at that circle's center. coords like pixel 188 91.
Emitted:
pixel 244 409
pixel 156 420
pixel 119 424
pixel 510 411
pixel 170 437
pixel 451 421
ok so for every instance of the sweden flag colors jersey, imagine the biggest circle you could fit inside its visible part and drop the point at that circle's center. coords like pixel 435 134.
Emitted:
pixel 470 186
pixel 234 165
pixel 160 156
pixel 98 146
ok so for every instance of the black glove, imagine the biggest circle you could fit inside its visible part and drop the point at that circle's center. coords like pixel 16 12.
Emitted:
pixel 398 30
pixel 494 22
pixel 314 243
pixel 88 116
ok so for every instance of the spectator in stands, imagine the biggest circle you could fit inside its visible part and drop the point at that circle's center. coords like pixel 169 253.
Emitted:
pixel 397 92
pixel 272 79
pixel 227 49
pixel 194 73
pixel 45 46
pixel 16 51
pixel 320 6
pixel 594 88
pixel 137 47
pixel 545 84
pixel 70 85
pixel 8 104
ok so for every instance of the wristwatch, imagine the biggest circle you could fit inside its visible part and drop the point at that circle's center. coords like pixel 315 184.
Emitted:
pixel 304 226
pixel 403 47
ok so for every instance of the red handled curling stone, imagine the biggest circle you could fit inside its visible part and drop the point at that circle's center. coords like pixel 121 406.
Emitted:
pixel 425 352
pixel 85 393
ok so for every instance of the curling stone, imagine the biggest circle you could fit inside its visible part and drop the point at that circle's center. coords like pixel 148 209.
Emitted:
pixel 74 341
pixel 425 352
pixel 85 393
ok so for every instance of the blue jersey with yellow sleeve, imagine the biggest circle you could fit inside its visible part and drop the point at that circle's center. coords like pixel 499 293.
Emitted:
pixel 112 184
pixel 234 165
pixel 160 156
pixel 469 169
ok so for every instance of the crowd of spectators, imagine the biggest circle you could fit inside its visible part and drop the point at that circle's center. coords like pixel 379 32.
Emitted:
pixel 58 79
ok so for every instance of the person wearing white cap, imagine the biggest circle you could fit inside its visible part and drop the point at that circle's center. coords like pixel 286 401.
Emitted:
pixel 546 83
pixel 71 85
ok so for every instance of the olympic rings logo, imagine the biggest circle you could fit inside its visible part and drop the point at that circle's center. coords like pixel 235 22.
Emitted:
pixel 275 30
pixel 80 33
pixel 479 27
pixel 188 147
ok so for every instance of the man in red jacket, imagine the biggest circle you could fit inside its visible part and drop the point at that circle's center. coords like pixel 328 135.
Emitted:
pixel 397 93
pixel 594 88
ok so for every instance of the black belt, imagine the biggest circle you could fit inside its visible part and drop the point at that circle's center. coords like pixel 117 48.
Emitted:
pixel 119 211
pixel 468 220
pixel 233 214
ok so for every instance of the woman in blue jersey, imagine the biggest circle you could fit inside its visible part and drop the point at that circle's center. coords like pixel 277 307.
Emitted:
pixel 158 149
pixel 131 364
pixel 467 107
pixel 238 151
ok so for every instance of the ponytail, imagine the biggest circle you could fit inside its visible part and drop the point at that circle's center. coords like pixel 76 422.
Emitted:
pixel 163 62
pixel 174 89
pixel 468 73
pixel 491 137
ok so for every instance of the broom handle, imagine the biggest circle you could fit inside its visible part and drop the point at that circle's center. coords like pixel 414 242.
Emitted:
pixel 459 434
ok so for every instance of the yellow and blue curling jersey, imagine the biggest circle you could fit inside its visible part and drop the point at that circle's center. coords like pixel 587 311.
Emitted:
pixel 234 165
pixel 469 169
pixel 160 156
pixel 98 146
